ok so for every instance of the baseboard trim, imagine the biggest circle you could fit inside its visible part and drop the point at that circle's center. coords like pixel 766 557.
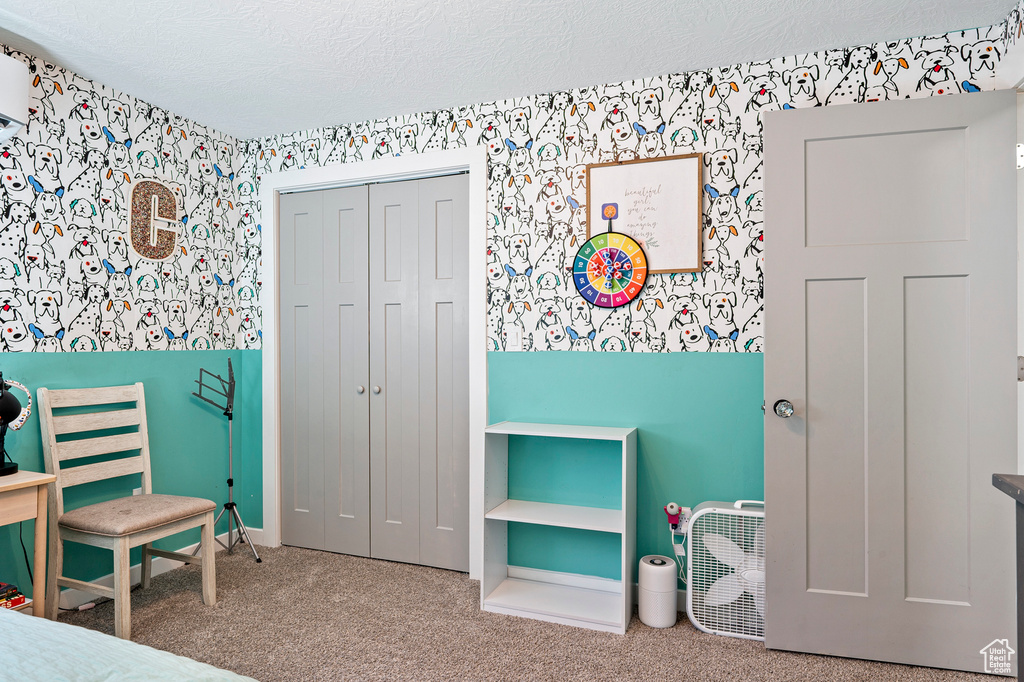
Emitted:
pixel 589 582
pixel 71 598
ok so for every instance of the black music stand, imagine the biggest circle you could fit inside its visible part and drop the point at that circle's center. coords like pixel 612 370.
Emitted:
pixel 225 392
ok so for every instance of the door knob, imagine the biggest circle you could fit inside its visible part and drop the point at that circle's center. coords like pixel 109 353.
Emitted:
pixel 784 408
pixel 376 389
pixel 360 390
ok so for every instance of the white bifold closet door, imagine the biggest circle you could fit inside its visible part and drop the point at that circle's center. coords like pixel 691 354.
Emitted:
pixel 374 397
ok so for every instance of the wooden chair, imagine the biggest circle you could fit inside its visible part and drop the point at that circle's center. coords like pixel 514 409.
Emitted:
pixel 118 524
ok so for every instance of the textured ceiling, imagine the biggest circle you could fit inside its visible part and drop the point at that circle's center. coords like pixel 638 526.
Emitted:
pixel 257 68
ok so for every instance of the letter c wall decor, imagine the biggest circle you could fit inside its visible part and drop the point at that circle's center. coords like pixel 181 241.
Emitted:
pixel 154 220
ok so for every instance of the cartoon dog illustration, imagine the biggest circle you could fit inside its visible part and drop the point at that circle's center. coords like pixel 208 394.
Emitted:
pixel 40 262
pixel 721 306
pixel 616 323
pixel 802 84
pixel 763 92
pixel 118 285
pixel 15 337
pixel 383 144
pixel 683 311
pixel 615 112
pixel 490 128
pixel 982 57
pixel 53 343
pixel 456 130
pixel 14 187
pixel 554 126
pixel 10 154
pixel 252 338
pixel 518 121
pixel 148 315
pixel 46 162
pixel 854 83
pixel 719 343
pixel 518 246
pixel 938 78
pixel 648 106
pixel 583 342
pixel 881 82
pixel 439 138
pixel 641 330
pixel 613 344
pixel 111 333
pixel 722 163
pixel 87 322
pixel 652 144
pixel 46 307
pixel 519 287
pixel 407 135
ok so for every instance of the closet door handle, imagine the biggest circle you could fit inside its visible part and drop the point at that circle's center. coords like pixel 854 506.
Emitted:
pixel 360 390
pixel 376 389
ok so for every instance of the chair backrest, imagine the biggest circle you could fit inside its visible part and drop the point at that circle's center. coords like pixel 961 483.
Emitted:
pixel 81 422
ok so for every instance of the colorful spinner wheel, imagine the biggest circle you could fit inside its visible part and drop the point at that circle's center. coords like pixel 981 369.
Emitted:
pixel 610 270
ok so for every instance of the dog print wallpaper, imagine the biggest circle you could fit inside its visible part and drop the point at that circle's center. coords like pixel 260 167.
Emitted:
pixel 538 148
pixel 68 283
pixel 69 280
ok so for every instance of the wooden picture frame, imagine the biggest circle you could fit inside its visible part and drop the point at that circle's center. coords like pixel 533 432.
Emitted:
pixel 659 206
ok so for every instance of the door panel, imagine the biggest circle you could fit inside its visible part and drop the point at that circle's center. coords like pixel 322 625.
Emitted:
pixel 346 367
pixel 891 291
pixel 394 368
pixel 302 422
pixel 835 449
pixel 931 204
pixel 444 373
pixel 937 475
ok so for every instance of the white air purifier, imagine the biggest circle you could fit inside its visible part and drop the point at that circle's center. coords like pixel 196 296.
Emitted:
pixel 725 571
pixel 14 87
pixel 656 591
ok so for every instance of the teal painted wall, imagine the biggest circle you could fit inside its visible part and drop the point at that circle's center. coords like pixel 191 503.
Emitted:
pixel 699 418
pixel 188 439
pixel 700 437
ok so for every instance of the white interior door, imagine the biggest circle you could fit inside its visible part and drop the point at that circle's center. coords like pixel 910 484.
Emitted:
pixel 346 400
pixel 890 285
pixel 419 409
pixel 325 359
pixel 394 372
pixel 444 372
pixel 302 351
pixel 374 369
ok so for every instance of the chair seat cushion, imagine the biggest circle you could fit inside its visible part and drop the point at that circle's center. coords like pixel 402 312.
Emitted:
pixel 127 515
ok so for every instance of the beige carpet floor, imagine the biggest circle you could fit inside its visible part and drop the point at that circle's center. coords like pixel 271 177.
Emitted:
pixel 306 615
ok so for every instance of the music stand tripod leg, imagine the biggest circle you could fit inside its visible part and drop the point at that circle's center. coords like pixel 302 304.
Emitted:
pixel 244 532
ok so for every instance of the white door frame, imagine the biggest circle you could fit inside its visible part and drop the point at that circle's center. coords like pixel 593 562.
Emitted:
pixel 412 167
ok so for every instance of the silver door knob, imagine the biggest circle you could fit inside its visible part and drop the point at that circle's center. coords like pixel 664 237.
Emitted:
pixel 376 389
pixel 360 390
pixel 784 408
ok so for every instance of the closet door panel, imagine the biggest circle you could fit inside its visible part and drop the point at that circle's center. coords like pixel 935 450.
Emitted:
pixel 302 385
pixel 346 410
pixel 444 374
pixel 394 370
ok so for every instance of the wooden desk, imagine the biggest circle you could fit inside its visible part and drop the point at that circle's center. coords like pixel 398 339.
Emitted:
pixel 23 497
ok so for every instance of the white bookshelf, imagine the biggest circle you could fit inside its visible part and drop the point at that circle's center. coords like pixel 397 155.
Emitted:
pixel 568 598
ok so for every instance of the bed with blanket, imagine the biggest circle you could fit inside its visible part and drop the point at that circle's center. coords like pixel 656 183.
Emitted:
pixel 39 649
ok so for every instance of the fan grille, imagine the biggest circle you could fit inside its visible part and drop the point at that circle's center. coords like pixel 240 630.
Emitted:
pixel 738 617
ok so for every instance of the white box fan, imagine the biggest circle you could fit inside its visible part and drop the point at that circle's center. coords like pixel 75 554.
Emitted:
pixel 725 568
